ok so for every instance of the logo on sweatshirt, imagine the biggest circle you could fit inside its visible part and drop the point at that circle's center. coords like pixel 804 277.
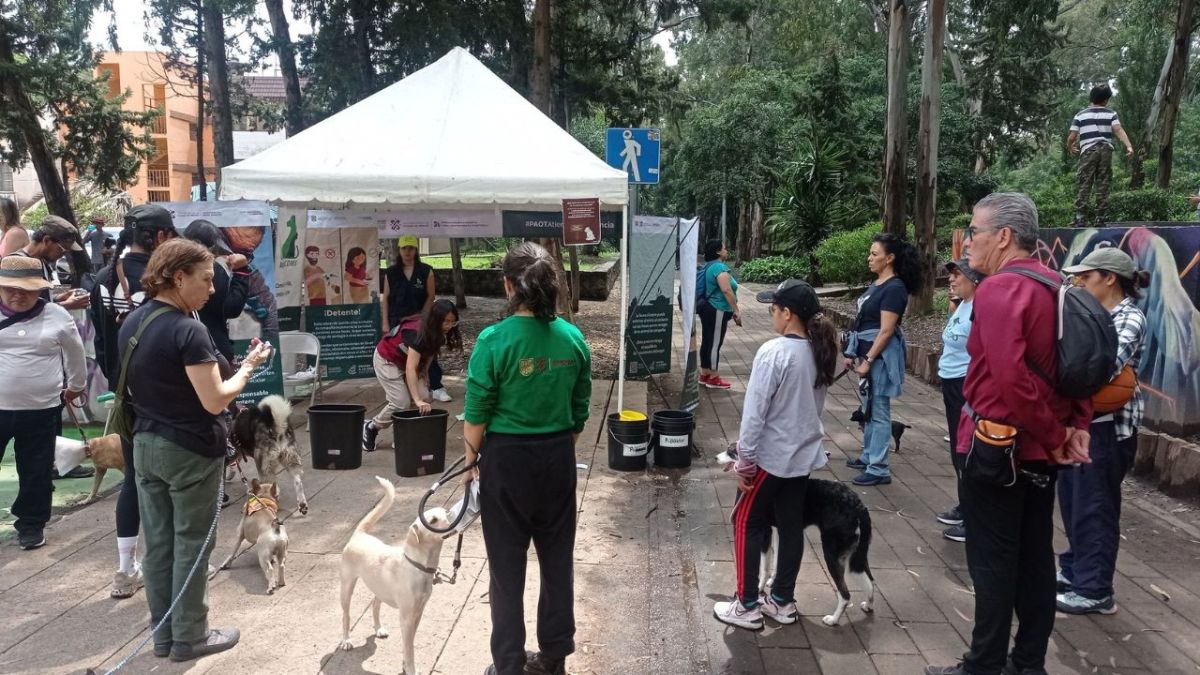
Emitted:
pixel 532 365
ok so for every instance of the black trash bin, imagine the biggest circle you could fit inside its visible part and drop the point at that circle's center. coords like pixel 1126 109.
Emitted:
pixel 335 435
pixel 628 443
pixel 671 438
pixel 420 442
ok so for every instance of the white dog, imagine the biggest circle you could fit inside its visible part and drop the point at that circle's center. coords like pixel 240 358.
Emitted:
pixel 401 576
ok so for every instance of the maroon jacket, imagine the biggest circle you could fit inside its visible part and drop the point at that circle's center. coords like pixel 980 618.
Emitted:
pixel 1016 319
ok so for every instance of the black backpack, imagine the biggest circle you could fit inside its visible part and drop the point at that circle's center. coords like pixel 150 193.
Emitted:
pixel 1087 340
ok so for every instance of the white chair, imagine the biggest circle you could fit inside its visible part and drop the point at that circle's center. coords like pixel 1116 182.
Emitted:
pixel 293 344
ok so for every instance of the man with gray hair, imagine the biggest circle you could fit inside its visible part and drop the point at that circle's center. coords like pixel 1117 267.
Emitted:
pixel 1012 407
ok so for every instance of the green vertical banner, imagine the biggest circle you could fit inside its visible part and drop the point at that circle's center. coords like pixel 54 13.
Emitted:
pixel 652 255
pixel 266 380
pixel 348 335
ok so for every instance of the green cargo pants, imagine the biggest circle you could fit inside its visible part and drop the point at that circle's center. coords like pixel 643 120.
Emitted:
pixel 177 499
pixel 1095 168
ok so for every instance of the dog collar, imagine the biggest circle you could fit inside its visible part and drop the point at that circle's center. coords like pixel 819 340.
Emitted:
pixel 427 570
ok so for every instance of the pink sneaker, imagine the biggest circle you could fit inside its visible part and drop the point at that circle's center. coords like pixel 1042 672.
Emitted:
pixel 715 382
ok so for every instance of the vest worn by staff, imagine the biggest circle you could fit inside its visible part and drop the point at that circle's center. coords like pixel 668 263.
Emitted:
pixel 406 295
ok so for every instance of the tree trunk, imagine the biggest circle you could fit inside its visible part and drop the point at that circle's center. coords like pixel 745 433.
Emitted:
pixel 284 49
pixel 360 15
pixel 925 214
pixel 757 230
pixel 539 78
pixel 897 118
pixel 1165 106
pixel 218 86
pixel 743 233
pixel 456 275
pixel 1179 64
pixel 200 112
pixel 23 115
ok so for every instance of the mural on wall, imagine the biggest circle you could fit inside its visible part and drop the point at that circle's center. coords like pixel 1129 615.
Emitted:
pixel 1170 368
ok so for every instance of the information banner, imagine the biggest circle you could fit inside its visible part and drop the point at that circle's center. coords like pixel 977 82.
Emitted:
pixel 289 267
pixel 457 223
pixel 348 335
pixel 549 224
pixel 581 222
pixel 239 213
pixel 652 254
pixel 266 380
pixel 689 243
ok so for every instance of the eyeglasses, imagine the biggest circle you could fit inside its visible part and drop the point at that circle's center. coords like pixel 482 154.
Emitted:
pixel 973 231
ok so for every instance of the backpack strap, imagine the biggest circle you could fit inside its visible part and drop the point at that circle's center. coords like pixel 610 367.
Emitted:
pixel 133 343
pixel 1030 274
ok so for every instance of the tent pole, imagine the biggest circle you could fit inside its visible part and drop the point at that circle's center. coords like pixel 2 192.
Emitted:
pixel 624 305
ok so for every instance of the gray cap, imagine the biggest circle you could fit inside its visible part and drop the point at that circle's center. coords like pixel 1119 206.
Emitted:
pixel 964 268
pixel 1107 259
pixel 61 231
pixel 204 232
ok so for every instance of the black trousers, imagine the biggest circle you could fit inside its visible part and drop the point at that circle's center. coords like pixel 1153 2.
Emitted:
pixel 772 501
pixel 713 325
pixel 1010 554
pixel 953 400
pixel 527 493
pixel 33 432
pixel 435 375
pixel 129 521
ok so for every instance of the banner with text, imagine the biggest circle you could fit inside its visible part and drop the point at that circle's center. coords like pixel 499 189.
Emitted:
pixel 581 221
pixel 348 335
pixel 289 267
pixel 689 244
pixel 653 248
pixel 456 223
pixel 549 224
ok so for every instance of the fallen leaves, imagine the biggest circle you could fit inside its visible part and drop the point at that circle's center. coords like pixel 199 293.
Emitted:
pixel 1166 597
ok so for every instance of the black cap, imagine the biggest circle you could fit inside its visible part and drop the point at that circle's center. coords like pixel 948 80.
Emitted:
pixel 204 232
pixel 149 218
pixel 795 295
pixel 61 231
pixel 964 268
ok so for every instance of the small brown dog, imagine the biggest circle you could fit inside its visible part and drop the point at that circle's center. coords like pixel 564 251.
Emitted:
pixel 260 525
pixel 105 453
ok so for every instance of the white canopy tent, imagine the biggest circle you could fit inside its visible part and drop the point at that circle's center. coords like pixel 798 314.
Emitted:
pixel 452 134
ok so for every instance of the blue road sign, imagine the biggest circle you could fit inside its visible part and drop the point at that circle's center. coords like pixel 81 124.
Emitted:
pixel 636 152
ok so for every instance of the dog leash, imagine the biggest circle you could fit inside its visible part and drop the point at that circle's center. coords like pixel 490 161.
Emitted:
pixel 78 426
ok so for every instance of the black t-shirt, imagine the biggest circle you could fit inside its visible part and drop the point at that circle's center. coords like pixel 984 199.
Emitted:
pixel 890 296
pixel 406 296
pixel 164 400
pixel 105 308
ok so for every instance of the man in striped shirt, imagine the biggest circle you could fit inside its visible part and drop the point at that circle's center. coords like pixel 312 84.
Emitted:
pixel 1091 138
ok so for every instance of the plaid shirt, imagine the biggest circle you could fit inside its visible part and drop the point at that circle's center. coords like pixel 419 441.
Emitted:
pixel 1130 323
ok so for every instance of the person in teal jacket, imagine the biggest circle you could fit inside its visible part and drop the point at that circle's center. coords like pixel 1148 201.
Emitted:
pixel 717 306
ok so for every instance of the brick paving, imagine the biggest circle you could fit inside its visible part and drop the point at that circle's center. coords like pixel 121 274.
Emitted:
pixel 653 553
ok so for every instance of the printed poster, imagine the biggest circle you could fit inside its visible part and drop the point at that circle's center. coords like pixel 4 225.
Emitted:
pixel 289 268
pixel 445 223
pixel 652 269
pixel 340 275
pixel 348 335
pixel 689 242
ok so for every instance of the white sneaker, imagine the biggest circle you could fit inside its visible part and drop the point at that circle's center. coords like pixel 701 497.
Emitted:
pixel 441 394
pixel 785 613
pixel 736 614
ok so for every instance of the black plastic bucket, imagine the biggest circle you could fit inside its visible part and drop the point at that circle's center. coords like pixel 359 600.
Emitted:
pixel 628 443
pixel 420 442
pixel 335 435
pixel 671 438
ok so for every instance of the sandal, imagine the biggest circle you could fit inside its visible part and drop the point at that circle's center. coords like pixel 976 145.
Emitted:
pixel 125 585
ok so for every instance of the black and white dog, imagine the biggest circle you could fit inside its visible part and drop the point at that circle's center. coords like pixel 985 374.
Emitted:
pixel 845 526
pixel 264 433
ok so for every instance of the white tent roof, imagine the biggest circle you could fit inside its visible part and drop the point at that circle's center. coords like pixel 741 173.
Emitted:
pixel 452 133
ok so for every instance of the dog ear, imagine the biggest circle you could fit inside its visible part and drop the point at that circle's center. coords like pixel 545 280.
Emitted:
pixel 275 490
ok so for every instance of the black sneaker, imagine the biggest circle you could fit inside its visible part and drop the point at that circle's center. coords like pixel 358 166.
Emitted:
pixel 218 640
pixel 957 533
pixel 31 540
pixel 78 472
pixel 537 663
pixel 946 670
pixel 856 464
pixel 370 434
pixel 952 517
pixel 162 649
pixel 1010 669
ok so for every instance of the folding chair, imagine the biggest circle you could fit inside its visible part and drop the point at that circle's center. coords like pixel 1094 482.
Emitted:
pixel 293 344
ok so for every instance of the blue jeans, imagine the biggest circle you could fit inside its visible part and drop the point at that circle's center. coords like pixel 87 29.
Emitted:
pixel 877 434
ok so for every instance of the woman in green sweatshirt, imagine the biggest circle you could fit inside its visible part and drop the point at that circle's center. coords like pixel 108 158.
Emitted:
pixel 529 385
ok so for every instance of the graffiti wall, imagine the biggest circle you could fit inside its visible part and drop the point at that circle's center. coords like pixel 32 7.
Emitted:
pixel 1170 368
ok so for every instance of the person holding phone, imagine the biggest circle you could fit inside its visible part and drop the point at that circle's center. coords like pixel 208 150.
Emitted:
pixel 179 385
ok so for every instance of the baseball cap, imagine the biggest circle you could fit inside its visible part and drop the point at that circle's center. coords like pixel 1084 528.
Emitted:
pixel 208 234
pixel 964 268
pixel 149 217
pixel 61 232
pixel 408 240
pixel 795 295
pixel 1108 259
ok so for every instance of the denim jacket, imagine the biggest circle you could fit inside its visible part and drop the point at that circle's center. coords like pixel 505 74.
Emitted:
pixel 889 375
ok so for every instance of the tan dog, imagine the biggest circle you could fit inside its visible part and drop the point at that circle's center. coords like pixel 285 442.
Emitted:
pixel 106 454
pixel 260 525
pixel 401 576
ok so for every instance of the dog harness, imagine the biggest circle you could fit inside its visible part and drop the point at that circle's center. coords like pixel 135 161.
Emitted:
pixel 254 504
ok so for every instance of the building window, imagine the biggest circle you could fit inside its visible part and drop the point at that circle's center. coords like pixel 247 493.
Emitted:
pixel 114 78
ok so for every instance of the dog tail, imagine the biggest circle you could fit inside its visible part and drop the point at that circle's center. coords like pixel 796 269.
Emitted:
pixel 373 516
pixel 858 559
pixel 277 410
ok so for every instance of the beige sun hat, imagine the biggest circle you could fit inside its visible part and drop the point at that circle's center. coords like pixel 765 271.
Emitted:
pixel 18 271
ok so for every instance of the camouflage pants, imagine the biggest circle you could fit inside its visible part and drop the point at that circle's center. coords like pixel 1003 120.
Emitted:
pixel 1095 168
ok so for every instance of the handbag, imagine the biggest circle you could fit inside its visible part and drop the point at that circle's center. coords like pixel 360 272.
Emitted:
pixel 122 418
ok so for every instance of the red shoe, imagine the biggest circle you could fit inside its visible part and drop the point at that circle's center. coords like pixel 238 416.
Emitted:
pixel 715 382
pixel 704 379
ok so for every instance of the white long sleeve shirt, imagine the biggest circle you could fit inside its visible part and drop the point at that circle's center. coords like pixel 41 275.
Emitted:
pixel 781 417
pixel 35 354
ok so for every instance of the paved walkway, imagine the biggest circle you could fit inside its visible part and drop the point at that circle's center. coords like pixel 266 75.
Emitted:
pixel 653 552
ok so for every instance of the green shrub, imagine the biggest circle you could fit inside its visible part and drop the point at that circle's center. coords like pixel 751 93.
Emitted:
pixel 1143 205
pixel 774 269
pixel 842 258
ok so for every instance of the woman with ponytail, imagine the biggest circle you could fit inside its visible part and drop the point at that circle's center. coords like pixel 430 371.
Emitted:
pixel 529 387
pixel 1090 494
pixel 779 445
pixel 877 347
